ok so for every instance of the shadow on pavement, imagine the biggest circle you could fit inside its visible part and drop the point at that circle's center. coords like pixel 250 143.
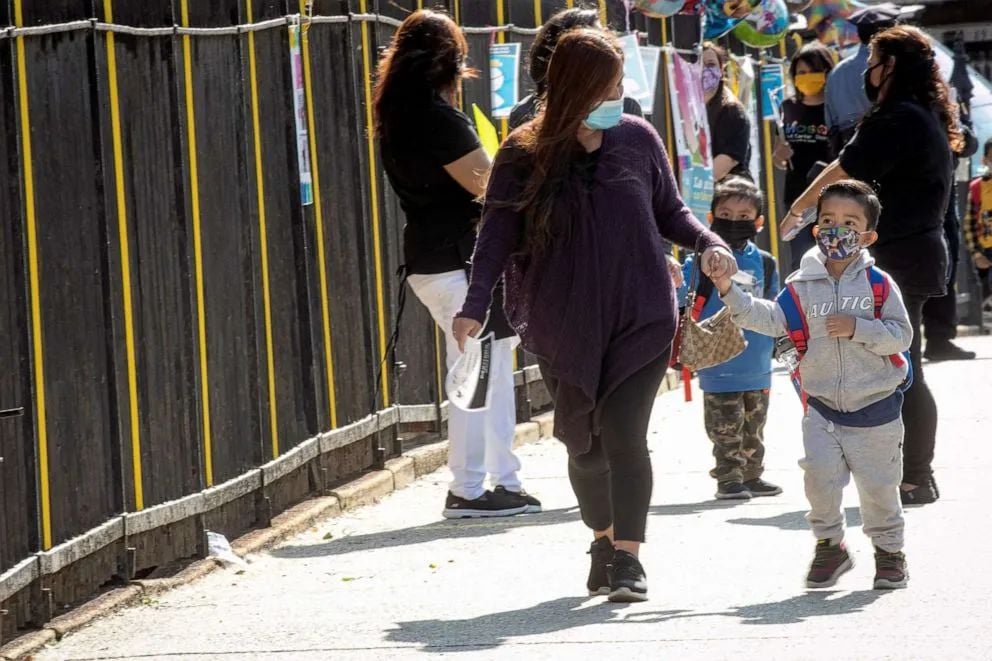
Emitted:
pixel 464 528
pixel 495 629
pixel 797 520
pixel 815 603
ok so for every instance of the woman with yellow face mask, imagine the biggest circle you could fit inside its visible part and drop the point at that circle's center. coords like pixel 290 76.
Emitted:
pixel 804 141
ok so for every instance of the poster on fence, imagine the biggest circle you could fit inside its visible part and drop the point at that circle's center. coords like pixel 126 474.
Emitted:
pixel 772 92
pixel 742 76
pixel 504 83
pixel 692 134
pixel 300 109
pixel 635 80
pixel 651 56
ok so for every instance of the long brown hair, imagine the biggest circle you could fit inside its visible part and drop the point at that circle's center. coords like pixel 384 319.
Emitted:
pixel 426 57
pixel 584 65
pixel 916 76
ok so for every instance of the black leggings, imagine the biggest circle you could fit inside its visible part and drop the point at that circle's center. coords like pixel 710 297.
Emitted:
pixel 613 481
pixel 919 410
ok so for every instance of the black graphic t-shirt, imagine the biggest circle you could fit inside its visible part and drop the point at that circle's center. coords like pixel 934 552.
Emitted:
pixel 806 132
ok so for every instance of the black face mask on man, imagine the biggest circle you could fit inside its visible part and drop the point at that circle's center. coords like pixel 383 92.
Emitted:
pixel 735 232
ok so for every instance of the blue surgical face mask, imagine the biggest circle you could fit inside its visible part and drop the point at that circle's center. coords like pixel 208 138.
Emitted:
pixel 838 243
pixel 606 115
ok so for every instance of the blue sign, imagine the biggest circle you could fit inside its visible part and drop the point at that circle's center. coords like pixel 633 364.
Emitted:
pixel 504 63
pixel 772 91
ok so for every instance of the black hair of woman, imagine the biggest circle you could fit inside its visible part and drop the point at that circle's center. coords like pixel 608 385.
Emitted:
pixel 547 38
pixel 915 76
pixel 427 56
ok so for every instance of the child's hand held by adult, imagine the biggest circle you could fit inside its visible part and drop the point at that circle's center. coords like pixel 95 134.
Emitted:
pixel 841 325
pixel 718 263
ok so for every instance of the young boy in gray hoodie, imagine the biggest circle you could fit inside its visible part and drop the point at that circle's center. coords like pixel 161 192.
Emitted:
pixel 853 329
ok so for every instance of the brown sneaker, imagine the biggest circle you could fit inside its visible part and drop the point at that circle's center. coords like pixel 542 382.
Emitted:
pixel 829 563
pixel 890 570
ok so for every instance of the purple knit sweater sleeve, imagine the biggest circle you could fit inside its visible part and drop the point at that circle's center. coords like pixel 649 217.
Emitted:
pixel 675 221
pixel 498 238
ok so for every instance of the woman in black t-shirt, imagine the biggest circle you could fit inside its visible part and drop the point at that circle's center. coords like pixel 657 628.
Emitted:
pixel 730 127
pixel 437 167
pixel 903 146
pixel 804 141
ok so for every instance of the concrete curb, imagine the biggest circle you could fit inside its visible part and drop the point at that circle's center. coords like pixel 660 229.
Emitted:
pixel 365 490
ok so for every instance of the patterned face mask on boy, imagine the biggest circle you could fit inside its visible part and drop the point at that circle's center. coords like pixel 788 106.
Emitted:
pixel 838 243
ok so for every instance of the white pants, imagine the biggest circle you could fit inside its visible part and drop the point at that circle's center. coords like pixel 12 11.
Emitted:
pixel 874 456
pixel 480 442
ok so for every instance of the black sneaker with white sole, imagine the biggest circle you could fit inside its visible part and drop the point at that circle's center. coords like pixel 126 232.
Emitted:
pixel 732 491
pixel 759 487
pixel 600 555
pixel 627 580
pixel 533 504
pixel 487 505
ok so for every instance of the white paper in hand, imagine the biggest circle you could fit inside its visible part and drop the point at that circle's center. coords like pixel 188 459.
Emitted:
pixel 809 217
pixel 469 381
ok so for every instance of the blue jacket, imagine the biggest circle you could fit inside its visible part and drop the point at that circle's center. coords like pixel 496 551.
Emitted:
pixel 752 370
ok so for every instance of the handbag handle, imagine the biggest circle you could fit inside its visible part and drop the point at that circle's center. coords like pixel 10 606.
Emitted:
pixel 694 278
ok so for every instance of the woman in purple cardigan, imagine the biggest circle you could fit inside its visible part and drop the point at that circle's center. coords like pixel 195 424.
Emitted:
pixel 578 204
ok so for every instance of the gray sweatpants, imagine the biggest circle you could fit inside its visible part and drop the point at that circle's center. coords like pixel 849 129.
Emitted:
pixel 874 456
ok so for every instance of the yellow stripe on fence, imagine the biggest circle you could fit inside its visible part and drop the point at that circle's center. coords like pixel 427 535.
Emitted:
pixel 132 368
pixel 201 314
pixel 504 124
pixel 263 238
pixel 319 223
pixel 374 190
pixel 34 286
pixel 770 186
pixel 603 18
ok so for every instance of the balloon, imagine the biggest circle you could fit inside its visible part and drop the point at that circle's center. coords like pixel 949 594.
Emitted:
pixel 659 8
pixel 723 15
pixel 765 26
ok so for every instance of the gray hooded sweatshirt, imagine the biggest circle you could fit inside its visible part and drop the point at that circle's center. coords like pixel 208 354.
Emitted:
pixel 845 374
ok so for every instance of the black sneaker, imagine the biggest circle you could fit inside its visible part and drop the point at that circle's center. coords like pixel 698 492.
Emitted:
pixel 921 495
pixel 601 553
pixel 732 491
pixel 759 487
pixel 936 489
pixel 890 570
pixel 627 580
pixel 533 504
pixel 946 350
pixel 829 563
pixel 488 504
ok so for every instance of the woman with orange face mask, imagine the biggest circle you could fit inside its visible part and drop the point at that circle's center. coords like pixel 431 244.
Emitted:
pixel 805 141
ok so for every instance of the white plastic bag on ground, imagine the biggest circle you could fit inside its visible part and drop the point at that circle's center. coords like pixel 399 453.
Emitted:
pixel 469 384
pixel 220 549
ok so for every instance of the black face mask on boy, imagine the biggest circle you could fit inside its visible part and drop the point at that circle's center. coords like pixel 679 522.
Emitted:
pixel 735 232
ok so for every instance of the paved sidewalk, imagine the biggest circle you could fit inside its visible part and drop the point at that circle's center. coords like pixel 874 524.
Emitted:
pixel 395 581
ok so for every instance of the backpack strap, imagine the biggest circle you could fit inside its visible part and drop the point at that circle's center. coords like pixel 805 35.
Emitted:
pixel 881 287
pixel 703 293
pixel 768 266
pixel 795 318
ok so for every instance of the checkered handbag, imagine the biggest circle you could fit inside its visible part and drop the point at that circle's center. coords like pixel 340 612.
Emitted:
pixel 710 342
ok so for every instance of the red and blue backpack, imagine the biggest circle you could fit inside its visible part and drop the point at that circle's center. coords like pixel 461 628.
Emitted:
pixel 798 327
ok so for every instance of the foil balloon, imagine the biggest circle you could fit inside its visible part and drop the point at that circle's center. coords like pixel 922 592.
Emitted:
pixel 722 16
pixel 765 26
pixel 659 8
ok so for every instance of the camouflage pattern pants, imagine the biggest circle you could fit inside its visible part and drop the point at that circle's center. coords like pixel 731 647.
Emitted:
pixel 735 422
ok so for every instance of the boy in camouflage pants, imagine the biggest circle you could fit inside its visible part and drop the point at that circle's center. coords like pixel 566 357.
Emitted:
pixel 735 400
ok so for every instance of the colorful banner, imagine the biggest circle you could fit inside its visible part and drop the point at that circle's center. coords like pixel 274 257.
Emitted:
pixel 635 80
pixel 651 56
pixel 504 63
pixel 772 92
pixel 488 135
pixel 299 108
pixel 692 135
